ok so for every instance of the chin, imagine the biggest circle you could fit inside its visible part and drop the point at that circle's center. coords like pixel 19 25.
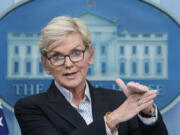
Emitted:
pixel 70 84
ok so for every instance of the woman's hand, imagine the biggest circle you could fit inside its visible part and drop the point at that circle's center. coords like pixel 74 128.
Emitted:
pixel 139 98
pixel 135 88
pixel 131 107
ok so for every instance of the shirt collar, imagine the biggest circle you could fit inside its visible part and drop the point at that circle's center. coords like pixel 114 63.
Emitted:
pixel 68 95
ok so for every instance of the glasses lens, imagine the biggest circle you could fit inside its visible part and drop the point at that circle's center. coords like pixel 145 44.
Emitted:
pixel 57 63
pixel 76 55
pixel 76 58
pixel 57 59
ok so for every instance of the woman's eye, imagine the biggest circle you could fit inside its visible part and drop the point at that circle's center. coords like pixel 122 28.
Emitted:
pixel 76 52
pixel 57 57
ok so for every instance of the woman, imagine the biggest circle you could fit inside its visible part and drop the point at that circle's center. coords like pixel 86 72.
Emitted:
pixel 71 106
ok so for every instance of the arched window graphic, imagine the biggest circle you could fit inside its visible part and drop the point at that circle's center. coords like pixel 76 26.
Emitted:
pixel 28 66
pixel 15 69
pixel 40 69
pixel 134 50
pixel 90 70
pixel 122 66
pixel 159 68
pixel 16 49
pixel 16 66
pixel 28 50
pixel 103 50
pixel 146 50
pixel 146 67
pixel 134 67
pixel 158 50
pixel 103 68
pixel 121 50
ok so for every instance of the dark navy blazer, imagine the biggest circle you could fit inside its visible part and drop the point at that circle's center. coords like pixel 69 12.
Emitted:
pixel 50 114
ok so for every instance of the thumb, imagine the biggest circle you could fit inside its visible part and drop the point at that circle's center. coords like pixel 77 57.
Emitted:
pixel 122 85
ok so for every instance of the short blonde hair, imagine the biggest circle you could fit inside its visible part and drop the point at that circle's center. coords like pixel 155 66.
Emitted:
pixel 57 29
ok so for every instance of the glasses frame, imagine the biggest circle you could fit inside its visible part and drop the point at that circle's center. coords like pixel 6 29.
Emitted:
pixel 83 51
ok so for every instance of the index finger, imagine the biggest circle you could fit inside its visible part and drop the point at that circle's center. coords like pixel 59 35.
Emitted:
pixel 122 85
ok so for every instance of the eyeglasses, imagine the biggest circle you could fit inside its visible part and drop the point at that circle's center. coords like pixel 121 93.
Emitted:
pixel 75 56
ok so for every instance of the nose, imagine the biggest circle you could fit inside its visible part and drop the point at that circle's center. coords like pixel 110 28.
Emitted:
pixel 67 62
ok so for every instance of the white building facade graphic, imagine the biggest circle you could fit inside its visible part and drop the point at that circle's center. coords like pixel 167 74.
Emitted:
pixel 117 54
pixel 23 56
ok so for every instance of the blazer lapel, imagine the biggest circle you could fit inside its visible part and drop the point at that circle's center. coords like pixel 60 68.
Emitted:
pixel 59 105
pixel 99 105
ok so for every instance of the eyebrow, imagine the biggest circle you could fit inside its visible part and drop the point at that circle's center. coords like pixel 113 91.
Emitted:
pixel 55 52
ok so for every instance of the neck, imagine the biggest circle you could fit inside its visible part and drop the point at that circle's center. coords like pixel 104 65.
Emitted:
pixel 78 93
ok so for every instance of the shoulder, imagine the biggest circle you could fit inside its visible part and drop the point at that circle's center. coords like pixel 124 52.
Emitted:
pixel 30 102
pixel 34 100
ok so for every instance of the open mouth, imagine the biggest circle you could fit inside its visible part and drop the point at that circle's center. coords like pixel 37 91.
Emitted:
pixel 70 75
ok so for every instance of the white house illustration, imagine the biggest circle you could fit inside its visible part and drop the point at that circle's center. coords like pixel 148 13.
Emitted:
pixel 117 54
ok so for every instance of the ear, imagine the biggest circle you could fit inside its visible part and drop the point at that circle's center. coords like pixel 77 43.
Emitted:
pixel 91 52
pixel 44 64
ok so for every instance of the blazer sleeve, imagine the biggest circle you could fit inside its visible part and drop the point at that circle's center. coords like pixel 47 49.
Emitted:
pixel 137 127
pixel 32 121
pixel 158 128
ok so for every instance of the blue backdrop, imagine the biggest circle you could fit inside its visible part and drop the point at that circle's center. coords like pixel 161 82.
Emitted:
pixel 133 16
